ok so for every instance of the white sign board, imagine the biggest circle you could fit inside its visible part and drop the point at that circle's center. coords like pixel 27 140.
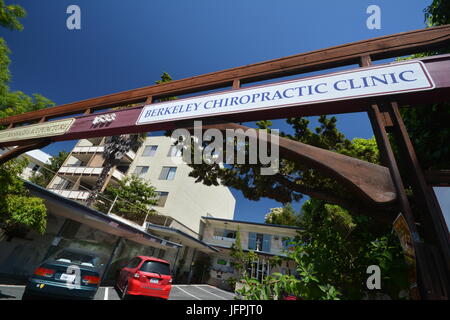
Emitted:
pixel 373 81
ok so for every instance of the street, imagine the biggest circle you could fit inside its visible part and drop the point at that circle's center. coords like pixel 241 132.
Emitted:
pixel 179 292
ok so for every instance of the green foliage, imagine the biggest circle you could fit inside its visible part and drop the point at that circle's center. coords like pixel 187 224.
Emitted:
pixel 44 176
pixel 430 134
pixel 134 198
pixel 282 216
pixel 385 252
pixel 294 178
pixel 10 15
pixel 363 149
pixel 18 210
pixel 165 77
pixel 241 259
pixel 340 247
pixel 277 286
pixel 332 253
pixel 12 103
pixel 438 13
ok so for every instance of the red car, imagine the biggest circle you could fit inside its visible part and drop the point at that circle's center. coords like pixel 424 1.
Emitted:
pixel 145 276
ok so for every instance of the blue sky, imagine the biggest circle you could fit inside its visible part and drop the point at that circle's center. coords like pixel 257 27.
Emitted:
pixel 128 44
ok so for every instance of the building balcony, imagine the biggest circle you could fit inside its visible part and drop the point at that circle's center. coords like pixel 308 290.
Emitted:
pixel 93 172
pixel 221 241
pixel 79 151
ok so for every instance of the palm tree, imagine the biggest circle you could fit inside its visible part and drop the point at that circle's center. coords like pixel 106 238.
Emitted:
pixel 114 149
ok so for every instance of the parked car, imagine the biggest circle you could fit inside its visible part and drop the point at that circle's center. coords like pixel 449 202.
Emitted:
pixel 68 274
pixel 145 276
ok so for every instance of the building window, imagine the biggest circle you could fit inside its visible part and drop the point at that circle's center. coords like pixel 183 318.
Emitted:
pixel 259 242
pixel 162 198
pixel 35 168
pixel 230 234
pixel 175 151
pixel 140 171
pixel 168 173
pixel 149 151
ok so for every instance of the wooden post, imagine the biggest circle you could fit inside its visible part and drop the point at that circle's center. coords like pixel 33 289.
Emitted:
pixel 424 281
pixel 432 223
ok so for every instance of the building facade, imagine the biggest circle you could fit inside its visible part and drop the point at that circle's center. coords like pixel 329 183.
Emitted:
pixel 181 201
pixel 196 217
pixel 36 160
pixel 267 241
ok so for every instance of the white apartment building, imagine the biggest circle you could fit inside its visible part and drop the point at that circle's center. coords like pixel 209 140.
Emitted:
pixel 266 240
pixel 181 199
pixel 36 160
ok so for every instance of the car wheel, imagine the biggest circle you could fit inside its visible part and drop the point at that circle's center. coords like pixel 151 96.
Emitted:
pixel 124 292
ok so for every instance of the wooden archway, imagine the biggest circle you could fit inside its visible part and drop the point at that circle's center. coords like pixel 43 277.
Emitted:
pixel 385 184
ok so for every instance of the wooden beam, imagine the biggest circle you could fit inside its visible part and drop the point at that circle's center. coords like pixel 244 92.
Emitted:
pixel 13 153
pixel 371 182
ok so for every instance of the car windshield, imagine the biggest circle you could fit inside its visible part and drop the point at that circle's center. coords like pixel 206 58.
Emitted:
pixel 80 258
pixel 156 267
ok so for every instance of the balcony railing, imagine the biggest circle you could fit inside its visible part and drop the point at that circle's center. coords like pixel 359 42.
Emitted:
pixel 232 240
pixel 70 194
pixel 89 171
pixel 131 155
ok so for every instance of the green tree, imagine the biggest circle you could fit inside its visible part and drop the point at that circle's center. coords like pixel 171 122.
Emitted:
pixel 241 259
pixel 294 178
pixel 438 13
pixel 340 246
pixel 282 216
pixel 45 175
pixel 19 212
pixel 17 102
pixel 10 15
pixel 131 199
pixel 332 253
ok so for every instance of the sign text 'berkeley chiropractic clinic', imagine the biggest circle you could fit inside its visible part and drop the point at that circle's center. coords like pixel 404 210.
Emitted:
pixel 375 81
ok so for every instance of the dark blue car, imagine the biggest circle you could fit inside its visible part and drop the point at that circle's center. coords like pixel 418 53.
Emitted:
pixel 69 274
